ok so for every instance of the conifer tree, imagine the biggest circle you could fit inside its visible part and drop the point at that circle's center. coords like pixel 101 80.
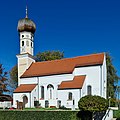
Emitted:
pixel 112 77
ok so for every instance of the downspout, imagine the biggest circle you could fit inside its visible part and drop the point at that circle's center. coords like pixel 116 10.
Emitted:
pixel 80 92
pixel 38 88
pixel 30 99
pixel 101 80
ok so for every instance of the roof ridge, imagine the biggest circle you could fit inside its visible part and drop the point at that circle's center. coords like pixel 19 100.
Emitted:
pixel 69 58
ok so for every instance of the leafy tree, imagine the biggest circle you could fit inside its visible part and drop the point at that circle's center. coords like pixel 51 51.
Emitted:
pixel 118 95
pixel 3 80
pixel 41 56
pixel 93 104
pixel 49 55
pixel 112 77
pixel 14 77
pixel 5 98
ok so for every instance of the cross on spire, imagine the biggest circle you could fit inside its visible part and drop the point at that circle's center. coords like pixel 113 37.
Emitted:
pixel 26 12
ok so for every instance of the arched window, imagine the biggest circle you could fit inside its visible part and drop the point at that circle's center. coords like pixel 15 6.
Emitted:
pixel 50 91
pixel 22 43
pixel 31 44
pixel 69 96
pixel 42 92
pixel 89 90
pixel 50 86
pixel 22 36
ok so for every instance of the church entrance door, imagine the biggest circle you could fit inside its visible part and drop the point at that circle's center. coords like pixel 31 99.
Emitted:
pixel 25 101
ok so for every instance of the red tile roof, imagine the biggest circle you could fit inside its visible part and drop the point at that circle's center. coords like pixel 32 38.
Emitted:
pixel 62 66
pixel 25 88
pixel 76 83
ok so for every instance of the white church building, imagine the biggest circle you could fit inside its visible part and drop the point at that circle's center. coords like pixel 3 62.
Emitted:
pixel 58 82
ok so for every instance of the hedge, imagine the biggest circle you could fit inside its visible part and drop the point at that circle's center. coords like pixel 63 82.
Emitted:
pixel 116 114
pixel 38 115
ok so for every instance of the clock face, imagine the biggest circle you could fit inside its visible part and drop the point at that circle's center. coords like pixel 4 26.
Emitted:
pixel 27 36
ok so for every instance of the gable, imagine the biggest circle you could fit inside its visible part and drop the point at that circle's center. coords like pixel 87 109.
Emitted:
pixel 63 66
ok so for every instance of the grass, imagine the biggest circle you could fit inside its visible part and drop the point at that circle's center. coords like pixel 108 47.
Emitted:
pixel 39 109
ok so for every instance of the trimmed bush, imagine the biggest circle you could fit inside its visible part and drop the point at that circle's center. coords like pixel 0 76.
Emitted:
pixel 93 103
pixel 38 115
pixel 116 114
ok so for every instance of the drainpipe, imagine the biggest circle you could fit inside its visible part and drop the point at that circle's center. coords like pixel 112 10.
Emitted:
pixel 30 99
pixel 80 92
pixel 101 80
pixel 38 87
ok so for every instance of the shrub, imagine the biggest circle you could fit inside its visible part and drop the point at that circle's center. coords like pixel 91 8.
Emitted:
pixel 38 115
pixel 116 114
pixel 93 103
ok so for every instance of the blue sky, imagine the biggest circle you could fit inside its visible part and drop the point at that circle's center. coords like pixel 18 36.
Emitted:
pixel 77 27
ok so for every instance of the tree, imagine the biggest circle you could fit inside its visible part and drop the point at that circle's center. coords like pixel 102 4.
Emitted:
pixel 41 56
pixel 112 77
pixel 49 55
pixel 3 80
pixel 118 95
pixel 14 77
pixel 93 104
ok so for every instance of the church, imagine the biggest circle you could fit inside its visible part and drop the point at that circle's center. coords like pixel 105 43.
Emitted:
pixel 56 83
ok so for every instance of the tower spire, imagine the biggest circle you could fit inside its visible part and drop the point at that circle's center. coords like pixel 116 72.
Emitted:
pixel 26 12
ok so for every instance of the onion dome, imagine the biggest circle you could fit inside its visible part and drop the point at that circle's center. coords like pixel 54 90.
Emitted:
pixel 26 24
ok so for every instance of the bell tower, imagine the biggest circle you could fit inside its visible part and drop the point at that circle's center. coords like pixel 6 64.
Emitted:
pixel 26 29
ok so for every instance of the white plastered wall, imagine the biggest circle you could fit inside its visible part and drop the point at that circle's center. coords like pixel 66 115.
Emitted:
pixel 95 76
pixel 63 97
pixel 30 95
pixel 24 61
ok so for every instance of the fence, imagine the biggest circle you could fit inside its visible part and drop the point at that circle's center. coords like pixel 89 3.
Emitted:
pixel 5 104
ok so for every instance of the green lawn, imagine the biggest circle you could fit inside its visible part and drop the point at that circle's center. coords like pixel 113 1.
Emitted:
pixel 39 109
